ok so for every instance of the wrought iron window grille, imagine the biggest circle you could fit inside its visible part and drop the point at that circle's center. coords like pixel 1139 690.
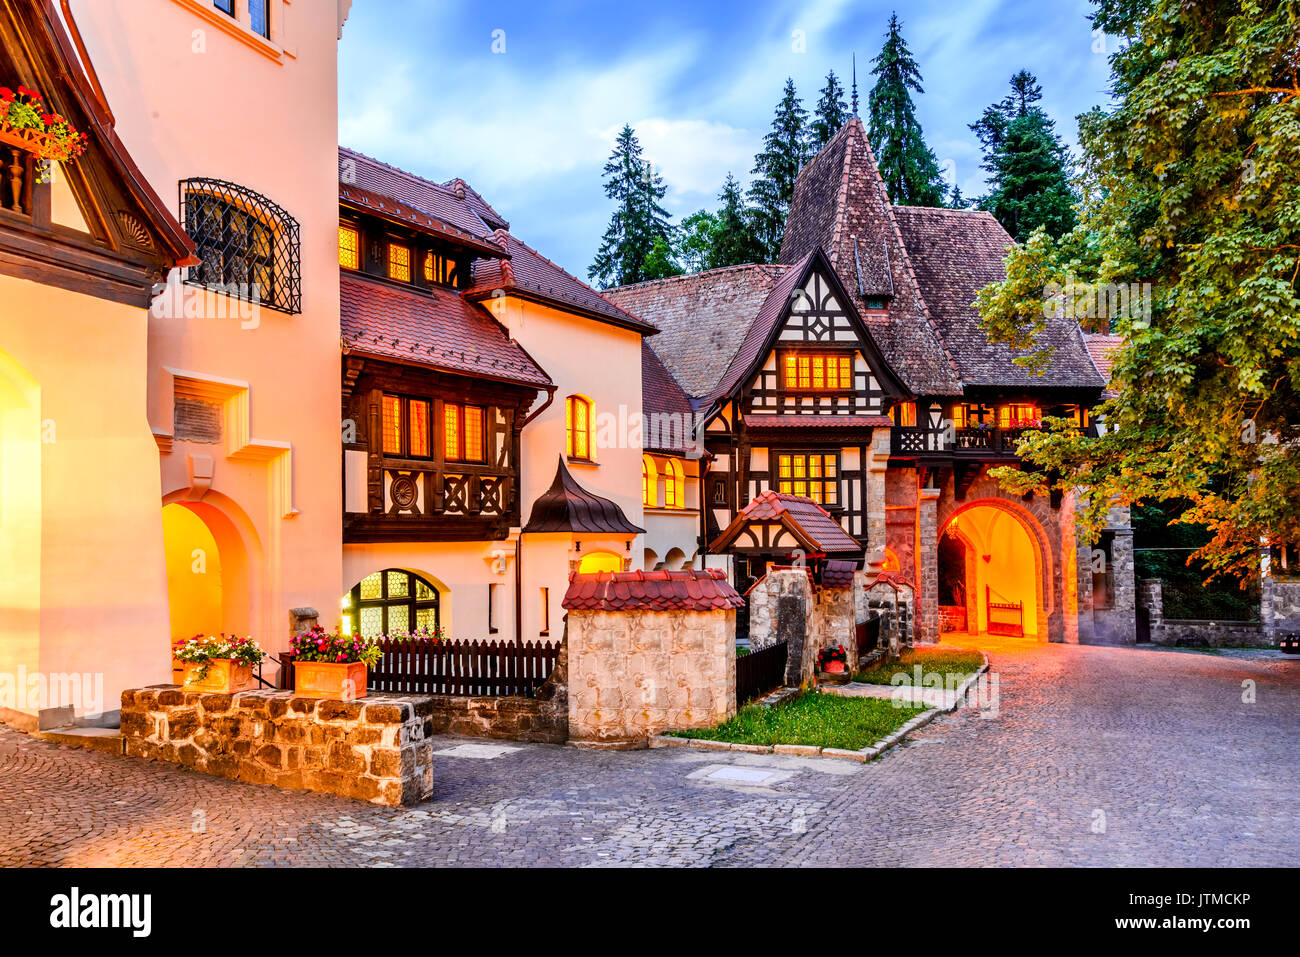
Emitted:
pixel 249 246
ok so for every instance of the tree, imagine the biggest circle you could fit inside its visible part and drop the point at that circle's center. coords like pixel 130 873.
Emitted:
pixel 831 114
pixel 696 237
pixel 659 261
pixel 638 223
pixel 708 240
pixel 785 148
pixel 1192 184
pixel 1028 165
pixel 908 166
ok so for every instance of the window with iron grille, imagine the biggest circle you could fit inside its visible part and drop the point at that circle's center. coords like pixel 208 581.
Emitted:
pixel 248 245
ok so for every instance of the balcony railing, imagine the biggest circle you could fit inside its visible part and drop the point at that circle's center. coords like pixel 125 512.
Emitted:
pixel 918 440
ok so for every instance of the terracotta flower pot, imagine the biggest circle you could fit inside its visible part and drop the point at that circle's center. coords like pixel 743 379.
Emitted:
pixel 224 676
pixel 178 671
pixel 834 668
pixel 328 679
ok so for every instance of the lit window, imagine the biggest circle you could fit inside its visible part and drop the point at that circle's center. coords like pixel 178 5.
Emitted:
pixel 812 475
pixel 439 270
pixel 399 262
pixel 905 414
pixel 406 426
pixel 392 425
pixel 418 430
pixel 818 372
pixel 959 416
pixel 577 423
pixel 391 602
pixel 649 482
pixel 462 433
pixel 1017 415
pixel 674 485
pixel 349 248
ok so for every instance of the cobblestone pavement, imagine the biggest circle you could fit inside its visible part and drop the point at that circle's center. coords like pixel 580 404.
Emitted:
pixel 1100 756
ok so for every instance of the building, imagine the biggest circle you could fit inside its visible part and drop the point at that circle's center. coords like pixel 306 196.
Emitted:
pixel 854 373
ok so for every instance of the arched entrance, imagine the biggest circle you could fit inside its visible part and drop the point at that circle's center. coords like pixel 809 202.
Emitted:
pixel 209 575
pixel 20 516
pixel 992 568
pixel 600 562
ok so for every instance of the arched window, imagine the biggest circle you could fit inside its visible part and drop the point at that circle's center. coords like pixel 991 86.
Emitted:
pixel 649 482
pixel 674 484
pixel 391 602
pixel 600 562
pixel 578 416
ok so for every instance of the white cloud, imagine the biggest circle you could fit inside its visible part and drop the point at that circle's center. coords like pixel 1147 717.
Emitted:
pixel 694 156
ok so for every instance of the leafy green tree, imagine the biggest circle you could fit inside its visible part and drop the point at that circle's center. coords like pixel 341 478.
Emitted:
pixel 785 148
pixel 696 237
pixel 830 115
pixel 908 166
pixel 660 263
pixel 709 240
pixel 1192 184
pixel 639 223
pixel 1028 165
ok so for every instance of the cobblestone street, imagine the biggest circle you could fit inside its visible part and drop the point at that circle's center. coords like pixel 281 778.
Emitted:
pixel 1098 756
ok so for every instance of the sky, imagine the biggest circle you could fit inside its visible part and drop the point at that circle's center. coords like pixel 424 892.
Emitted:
pixel 523 100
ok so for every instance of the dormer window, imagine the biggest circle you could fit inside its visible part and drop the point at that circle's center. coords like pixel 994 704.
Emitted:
pixel 399 262
pixel 905 414
pixel 875 303
pixel 812 372
pixel 349 247
pixel 439 270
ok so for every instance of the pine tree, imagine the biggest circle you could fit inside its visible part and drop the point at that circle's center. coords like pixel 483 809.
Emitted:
pixel 711 240
pixel 1028 165
pixel 784 150
pixel 908 166
pixel 638 223
pixel 831 113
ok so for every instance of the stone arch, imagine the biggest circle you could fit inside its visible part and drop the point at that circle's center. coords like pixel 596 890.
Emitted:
pixel 675 560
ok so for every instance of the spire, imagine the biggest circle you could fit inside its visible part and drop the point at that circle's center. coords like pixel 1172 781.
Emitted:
pixel 855 84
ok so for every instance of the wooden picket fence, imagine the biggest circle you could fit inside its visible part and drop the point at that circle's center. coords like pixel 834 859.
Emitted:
pixel 424 666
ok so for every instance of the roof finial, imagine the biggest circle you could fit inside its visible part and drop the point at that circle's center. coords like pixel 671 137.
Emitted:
pixel 855 84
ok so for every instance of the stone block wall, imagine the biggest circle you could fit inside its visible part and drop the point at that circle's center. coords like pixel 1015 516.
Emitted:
pixel 636 673
pixel 781 608
pixel 374 749
pixel 542 718
pixel 1196 632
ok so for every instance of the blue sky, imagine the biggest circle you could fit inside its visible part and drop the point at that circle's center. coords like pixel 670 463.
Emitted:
pixel 531 127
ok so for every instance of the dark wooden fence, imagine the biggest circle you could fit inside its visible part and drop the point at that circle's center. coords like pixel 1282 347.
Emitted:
pixel 424 666
pixel 760 672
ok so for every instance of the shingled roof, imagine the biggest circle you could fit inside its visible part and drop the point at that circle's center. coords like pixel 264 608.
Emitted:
pixel 956 253
pixel 568 507
pixel 840 205
pixel 701 318
pixel 815 528
pixel 437 329
pixel 662 397
pixel 693 590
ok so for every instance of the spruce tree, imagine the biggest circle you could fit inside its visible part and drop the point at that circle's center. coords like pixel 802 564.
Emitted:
pixel 638 223
pixel 711 240
pixel 831 113
pixel 908 166
pixel 1028 165
pixel 785 148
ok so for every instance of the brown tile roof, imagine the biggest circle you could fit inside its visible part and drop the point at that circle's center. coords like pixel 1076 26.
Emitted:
pixel 661 396
pixel 532 275
pixel 814 527
pixel 437 330
pixel 1102 348
pixel 840 205
pixel 568 507
pixel 355 197
pixel 694 590
pixel 823 421
pixel 476 202
pixel 839 573
pixel 701 318
pixel 956 253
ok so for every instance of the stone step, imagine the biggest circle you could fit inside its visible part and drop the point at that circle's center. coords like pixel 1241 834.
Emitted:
pixel 108 740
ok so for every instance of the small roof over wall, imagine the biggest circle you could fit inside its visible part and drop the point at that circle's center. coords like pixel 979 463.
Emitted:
pixel 568 507
pixel 776 522
pixel 839 573
pixel 694 590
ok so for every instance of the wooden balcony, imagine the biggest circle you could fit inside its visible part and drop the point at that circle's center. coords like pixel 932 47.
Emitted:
pixel 917 441
pixel 422 501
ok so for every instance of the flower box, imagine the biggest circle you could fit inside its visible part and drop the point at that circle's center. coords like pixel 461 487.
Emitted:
pixel 835 667
pixel 32 141
pixel 218 676
pixel 327 679
pixel 178 671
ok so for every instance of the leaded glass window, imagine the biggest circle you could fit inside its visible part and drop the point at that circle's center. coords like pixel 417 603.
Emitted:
pixel 391 602
pixel 812 475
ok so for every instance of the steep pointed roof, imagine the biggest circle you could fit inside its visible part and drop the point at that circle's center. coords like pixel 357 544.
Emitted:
pixel 813 527
pixel 840 205
pixel 568 507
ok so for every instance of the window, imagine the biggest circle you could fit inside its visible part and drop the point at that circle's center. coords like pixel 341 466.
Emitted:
pixel 1018 415
pixel 649 482
pixel 349 248
pixel 492 608
pixel 391 602
pixel 814 475
pixel 818 372
pixel 875 303
pixel 440 270
pixel 959 417
pixel 259 17
pixel 248 246
pixel 225 6
pixel 399 262
pixel 674 484
pixel 406 427
pixel 577 425
pixel 545 611
pixel 462 433
pixel 905 414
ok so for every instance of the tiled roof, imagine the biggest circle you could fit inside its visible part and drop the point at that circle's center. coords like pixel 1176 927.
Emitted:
pixel 820 421
pixel 1102 349
pixel 439 330
pixel 532 274
pixel 477 203
pixel 701 318
pixel 370 201
pixel 695 590
pixel 956 253
pixel 815 527
pixel 840 205
pixel 662 396
pixel 368 173
pixel 838 573
pixel 568 507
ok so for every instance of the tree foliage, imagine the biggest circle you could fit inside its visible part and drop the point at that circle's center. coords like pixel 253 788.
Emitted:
pixel 785 148
pixel 639 236
pixel 908 166
pixel 830 115
pixel 1191 183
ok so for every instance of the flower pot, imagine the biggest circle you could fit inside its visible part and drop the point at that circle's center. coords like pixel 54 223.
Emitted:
pixel 33 141
pixel 834 668
pixel 224 676
pixel 178 671
pixel 328 679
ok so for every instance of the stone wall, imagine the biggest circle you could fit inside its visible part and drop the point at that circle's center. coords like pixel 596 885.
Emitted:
pixel 894 601
pixel 780 609
pixel 543 718
pixel 375 749
pixel 1196 632
pixel 636 673
pixel 1280 606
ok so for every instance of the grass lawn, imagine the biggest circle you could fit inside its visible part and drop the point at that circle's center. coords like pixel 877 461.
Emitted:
pixel 943 661
pixel 824 720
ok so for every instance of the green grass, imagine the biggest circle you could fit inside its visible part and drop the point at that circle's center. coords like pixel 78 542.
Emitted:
pixel 944 661
pixel 824 720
